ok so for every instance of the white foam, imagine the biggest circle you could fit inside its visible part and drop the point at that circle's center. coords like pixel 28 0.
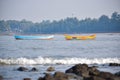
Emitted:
pixel 74 60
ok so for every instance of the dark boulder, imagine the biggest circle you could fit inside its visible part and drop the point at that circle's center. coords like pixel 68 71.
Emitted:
pixel 114 64
pixel 50 69
pixel 72 76
pixel 116 78
pixel 60 75
pixel 93 71
pixel 80 70
pixel 94 78
pixel 22 69
pixel 1 77
pixel 34 69
pixel 48 77
pixel 27 79
pixel 66 76
pixel 106 75
pixel 117 74
pixel 40 78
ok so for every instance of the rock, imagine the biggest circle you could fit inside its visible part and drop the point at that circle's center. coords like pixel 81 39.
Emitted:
pixel 58 75
pixel 80 70
pixel 93 68
pixel 27 79
pixel 51 69
pixel 22 69
pixel 94 78
pixel 117 74
pixel 61 76
pixel 93 71
pixel 1 77
pixel 114 64
pixel 106 75
pixel 34 69
pixel 58 63
pixel 48 77
pixel 116 78
pixel 66 76
pixel 72 76
pixel 40 78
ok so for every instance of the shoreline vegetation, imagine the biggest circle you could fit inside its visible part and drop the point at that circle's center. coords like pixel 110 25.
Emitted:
pixel 69 25
pixel 109 33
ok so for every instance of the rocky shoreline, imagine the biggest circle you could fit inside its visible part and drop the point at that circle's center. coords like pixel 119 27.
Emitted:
pixel 79 72
pixel 76 72
pixel 82 72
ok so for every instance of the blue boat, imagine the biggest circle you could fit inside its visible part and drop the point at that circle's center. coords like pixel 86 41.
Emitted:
pixel 21 37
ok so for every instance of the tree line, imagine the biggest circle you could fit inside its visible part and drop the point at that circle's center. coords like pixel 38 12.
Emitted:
pixel 67 25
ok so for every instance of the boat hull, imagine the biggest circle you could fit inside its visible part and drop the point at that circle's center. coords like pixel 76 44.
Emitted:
pixel 70 37
pixel 18 37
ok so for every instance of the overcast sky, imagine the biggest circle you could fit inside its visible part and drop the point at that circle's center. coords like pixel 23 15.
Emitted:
pixel 38 10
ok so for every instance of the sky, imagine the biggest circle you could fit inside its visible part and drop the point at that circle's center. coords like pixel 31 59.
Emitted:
pixel 38 10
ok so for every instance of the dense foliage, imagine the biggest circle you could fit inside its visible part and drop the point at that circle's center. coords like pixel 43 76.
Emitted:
pixel 68 25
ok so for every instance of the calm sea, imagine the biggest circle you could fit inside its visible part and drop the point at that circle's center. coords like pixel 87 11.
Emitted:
pixel 60 53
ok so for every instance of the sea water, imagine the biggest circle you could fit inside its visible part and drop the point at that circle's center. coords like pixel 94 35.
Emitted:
pixel 59 53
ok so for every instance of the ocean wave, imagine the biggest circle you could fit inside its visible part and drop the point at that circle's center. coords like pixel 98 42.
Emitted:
pixel 74 60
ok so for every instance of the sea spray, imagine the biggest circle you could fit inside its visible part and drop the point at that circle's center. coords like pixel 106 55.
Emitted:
pixel 50 60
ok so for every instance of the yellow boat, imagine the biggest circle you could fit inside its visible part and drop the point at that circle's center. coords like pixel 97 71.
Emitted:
pixel 78 37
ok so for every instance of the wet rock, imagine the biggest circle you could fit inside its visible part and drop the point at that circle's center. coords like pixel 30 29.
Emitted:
pixel 51 69
pixel 72 76
pixel 80 70
pixel 106 75
pixel 116 78
pixel 66 76
pixel 60 75
pixel 22 69
pixel 93 71
pixel 117 74
pixel 48 77
pixel 27 79
pixel 58 63
pixel 1 77
pixel 34 69
pixel 94 78
pixel 93 68
pixel 114 64
pixel 40 78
